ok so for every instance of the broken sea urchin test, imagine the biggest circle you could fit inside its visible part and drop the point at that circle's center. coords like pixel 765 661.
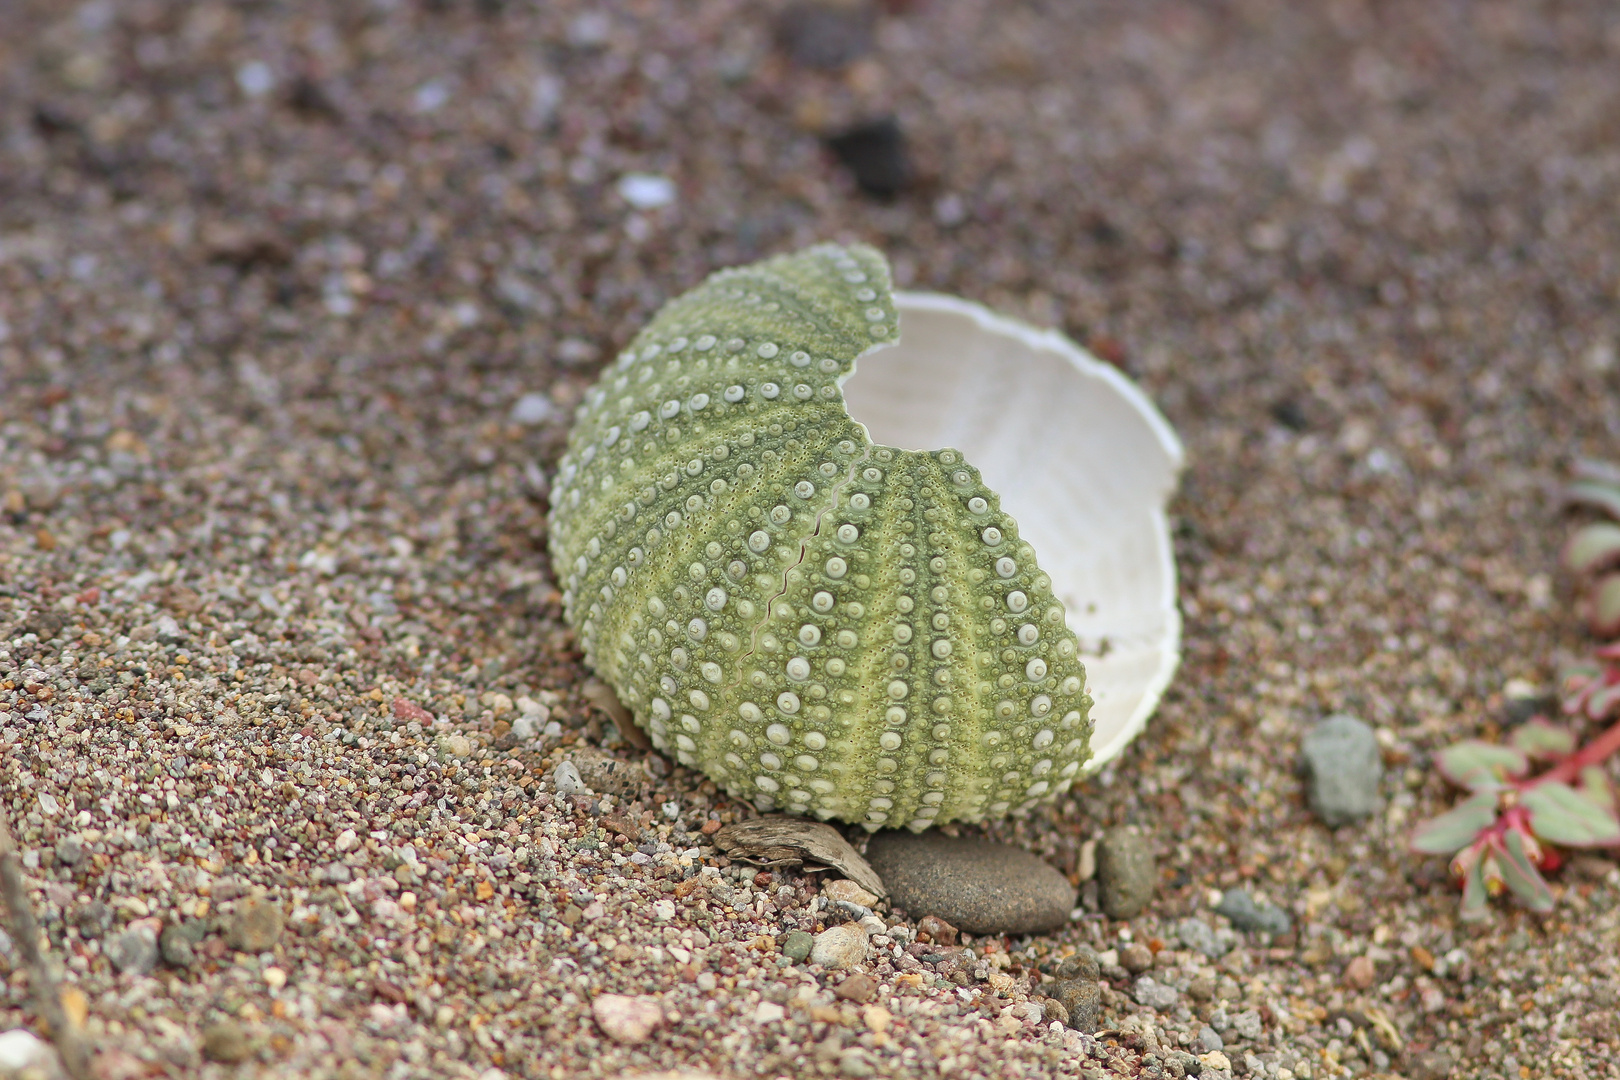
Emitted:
pixel 831 626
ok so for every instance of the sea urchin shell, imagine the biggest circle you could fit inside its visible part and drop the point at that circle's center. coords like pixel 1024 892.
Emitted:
pixel 822 624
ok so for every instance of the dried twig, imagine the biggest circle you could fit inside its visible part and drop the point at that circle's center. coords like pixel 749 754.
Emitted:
pixel 24 930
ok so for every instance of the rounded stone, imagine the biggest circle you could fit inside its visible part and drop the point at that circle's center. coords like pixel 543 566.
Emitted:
pixel 839 947
pixel 256 926
pixel 627 1020
pixel 134 951
pixel 1136 958
pixel 225 1042
pixel 797 946
pixel 1342 767
pixel 1126 872
pixel 975 885
pixel 1083 1000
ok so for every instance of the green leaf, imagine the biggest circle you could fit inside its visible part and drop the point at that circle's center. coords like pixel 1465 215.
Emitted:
pixel 1604 496
pixel 1474 896
pixel 1593 547
pixel 1475 764
pixel 1456 828
pixel 1522 878
pixel 1596 789
pixel 1604 617
pixel 1540 739
pixel 1561 815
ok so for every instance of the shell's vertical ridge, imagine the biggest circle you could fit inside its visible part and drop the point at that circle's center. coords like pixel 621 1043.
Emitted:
pixel 823 625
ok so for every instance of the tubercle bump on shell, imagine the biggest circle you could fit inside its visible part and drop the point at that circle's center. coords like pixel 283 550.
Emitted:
pixel 823 625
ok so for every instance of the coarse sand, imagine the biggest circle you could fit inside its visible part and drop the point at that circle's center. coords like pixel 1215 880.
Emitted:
pixel 296 300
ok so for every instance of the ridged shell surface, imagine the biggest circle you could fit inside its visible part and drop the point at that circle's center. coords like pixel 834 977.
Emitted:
pixel 824 625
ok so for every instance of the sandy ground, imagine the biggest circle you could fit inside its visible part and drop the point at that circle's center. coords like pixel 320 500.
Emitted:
pixel 279 283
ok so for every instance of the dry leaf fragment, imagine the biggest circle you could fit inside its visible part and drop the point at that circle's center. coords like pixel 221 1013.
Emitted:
pixel 789 841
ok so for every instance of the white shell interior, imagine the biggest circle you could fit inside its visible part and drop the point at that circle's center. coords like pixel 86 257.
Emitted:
pixel 1082 461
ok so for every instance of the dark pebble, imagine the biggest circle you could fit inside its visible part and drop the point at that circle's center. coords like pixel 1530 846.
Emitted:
pixel 875 155
pixel 1082 965
pixel 134 952
pixel 942 932
pixel 1082 999
pixel 1126 872
pixel 977 885
pixel 177 947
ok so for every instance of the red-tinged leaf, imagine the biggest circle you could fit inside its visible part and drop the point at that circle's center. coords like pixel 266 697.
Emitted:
pixel 1604 496
pixel 1561 815
pixel 1475 764
pixel 1593 547
pixel 1456 828
pixel 1474 906
pixel 1540 739
pixel 1521 877
pixel 1604 617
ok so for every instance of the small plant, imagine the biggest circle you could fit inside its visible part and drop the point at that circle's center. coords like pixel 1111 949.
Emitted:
pixel 1593 553
pixel 1513 824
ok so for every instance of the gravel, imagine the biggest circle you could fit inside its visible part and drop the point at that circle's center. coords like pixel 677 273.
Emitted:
pixel 1343 768
pixel 272 544
pixel 1245 914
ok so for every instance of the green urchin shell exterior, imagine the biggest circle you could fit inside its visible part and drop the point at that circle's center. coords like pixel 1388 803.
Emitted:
pixel 822 625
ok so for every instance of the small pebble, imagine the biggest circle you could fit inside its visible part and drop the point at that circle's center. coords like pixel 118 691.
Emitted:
pixel 1136 958
pixel 857 987
pixel 1082 965
pixel 846 890
pixel 1082 999
pixel 1197 935
pixel 70 850
pixel 1247 1024
pixel 1343 767
pixel 627 1020
pixel 566 780
pixel 1126 871
pixel 20 1049
pixel 1154 994
pixel 1239 906
pixel 1216 1060
pixel 839 947
pixel 256 926
pixel 937 929
pixel 177 947
pixel 225 1042
pixel 976 885
pixel 135 951
pixel 797 945
pixel 1210 1039
pixel 1360 973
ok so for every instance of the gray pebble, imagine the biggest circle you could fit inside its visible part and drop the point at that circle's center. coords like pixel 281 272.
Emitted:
pixel 134 951
pixel 1210 1039
pixel 1189 1065
pixel 1083 1000
pixel 978 886
pixel 1082 965
pixel 566 780
pixel 1342 769
pixel 70 850
pixel 1240 907
pixel 1247 1024
pixel 1198 936
pixel 839 947
pixel 93 919
pixel 856 1063
pixel 256 926
pixel 1154 994
pixel 797 946
pixel 177 946
pixel 1126 872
